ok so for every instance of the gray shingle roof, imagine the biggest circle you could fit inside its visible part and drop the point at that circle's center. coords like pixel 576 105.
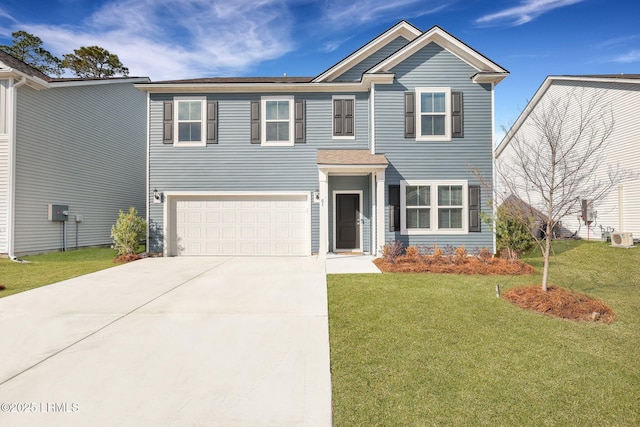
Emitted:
pixel 16 64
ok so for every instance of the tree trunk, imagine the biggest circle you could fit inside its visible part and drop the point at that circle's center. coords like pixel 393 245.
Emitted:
pixel 546 255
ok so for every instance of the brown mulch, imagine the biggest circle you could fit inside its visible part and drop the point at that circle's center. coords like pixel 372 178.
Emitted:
pixel 126 258
pixel 562 303
pixel 455 265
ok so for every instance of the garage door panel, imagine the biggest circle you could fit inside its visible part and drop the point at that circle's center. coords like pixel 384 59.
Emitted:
pixel 242 225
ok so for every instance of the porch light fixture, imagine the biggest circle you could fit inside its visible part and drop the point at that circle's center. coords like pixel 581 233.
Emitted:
pixel 157 196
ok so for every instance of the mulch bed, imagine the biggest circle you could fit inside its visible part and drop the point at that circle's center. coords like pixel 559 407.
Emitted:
pixel 455 265
pixel 126 258
pixel 562 303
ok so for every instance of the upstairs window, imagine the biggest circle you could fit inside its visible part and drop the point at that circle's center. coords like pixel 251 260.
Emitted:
pixel 277 127
pixel 190 121
pixel 434 114
pixel 189 113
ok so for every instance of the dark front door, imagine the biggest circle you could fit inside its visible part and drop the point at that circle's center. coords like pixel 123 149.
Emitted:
pixel 347 221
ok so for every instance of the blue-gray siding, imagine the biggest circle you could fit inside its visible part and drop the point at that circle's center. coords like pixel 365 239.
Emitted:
pixel 234 164
pixel 355 73
pixel 427 160
pixel 83 146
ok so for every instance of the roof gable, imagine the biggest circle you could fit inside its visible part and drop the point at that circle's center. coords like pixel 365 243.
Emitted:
pixel 12 65
pixel 401 29
pixel 544 88
pixel 488 71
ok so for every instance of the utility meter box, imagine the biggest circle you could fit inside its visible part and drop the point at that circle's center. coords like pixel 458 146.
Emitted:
pixel 58 212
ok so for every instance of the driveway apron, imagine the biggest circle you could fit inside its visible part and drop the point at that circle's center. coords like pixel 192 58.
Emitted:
pixel 171 342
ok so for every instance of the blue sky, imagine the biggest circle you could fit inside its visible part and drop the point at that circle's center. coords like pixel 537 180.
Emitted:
pixel 168 39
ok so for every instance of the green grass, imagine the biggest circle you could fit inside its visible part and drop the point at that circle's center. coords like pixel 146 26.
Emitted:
pixel 52 267
pixel 433 349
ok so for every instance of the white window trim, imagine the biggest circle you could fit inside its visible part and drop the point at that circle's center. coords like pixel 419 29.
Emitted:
pixel 447 114
pixel 333 98
pixel 203 127
pixel 434 208
pixel 263 121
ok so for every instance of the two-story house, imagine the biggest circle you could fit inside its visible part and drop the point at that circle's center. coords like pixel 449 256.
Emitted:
pixel 72 153
pixel 385 145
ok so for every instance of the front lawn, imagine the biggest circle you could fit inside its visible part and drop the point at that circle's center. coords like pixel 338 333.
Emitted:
pixel 52 267
pixel 435 349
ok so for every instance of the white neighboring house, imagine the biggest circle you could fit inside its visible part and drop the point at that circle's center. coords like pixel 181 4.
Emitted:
pixel 72 142
pixel 620 210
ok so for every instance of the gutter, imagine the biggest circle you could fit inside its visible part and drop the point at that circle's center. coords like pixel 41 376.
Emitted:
pixel 11 194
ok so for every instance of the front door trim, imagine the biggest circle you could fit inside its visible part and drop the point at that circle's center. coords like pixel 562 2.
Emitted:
pixel 360 216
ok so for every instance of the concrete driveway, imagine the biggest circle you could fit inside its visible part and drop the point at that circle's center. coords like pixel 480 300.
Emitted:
pixel 171 342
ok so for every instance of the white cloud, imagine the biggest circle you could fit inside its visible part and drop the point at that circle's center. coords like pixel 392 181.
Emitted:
pixel 167 39
pixel 617 41
pixel 527 11
pixel 629 57
pixel 345 14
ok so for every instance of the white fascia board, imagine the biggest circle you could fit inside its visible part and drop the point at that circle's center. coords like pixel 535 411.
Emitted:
pixel 34 82
pixel 254 87
pixel 402 29
pixel 90 82
pixel 442 38
pixel 494 78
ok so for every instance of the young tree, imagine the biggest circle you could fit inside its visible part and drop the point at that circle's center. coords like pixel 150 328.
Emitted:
pixel 94 61
pixel 552 164
pixel 28 48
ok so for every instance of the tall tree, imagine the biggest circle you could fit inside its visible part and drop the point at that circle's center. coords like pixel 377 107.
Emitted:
pixel 28 48
pixel 94 61
pixel 552 164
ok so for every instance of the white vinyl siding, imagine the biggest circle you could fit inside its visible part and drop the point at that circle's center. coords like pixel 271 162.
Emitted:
pixel 428 207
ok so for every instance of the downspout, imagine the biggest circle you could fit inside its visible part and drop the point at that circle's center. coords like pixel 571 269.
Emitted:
pixel 494 176
pixel 11 196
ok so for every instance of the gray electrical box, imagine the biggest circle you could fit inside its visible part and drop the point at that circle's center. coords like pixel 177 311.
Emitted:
pixel 58 212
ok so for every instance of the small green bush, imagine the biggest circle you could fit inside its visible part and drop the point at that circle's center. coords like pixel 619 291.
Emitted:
pixel 128 231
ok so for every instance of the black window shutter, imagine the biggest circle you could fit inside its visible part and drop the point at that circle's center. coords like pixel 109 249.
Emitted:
pixel 300 121
pixel 348 117
pixel 338 117
pixel 394 208
pixel 475 225
pixel 167 122
pixel 343 115
pixel 255 122
pixel 457 124
pixel 212 122
pixel 409 115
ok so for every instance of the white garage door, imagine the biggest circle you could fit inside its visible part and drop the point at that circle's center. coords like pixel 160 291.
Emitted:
pixel 242 225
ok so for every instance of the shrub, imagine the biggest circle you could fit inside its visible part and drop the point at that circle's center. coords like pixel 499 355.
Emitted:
pixel 461 255
pixel 512 235
pixel 392 250
pixel 128 231
pixel 412 253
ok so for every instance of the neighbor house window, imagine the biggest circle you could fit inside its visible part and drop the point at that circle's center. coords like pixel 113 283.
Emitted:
pixel 433 207
pixel 277 121
pixel 434 114
pixel 189 117
pixel 344 117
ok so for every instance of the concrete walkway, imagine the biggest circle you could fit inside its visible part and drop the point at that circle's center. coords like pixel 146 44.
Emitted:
pixel 171 342
pixel 351 264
